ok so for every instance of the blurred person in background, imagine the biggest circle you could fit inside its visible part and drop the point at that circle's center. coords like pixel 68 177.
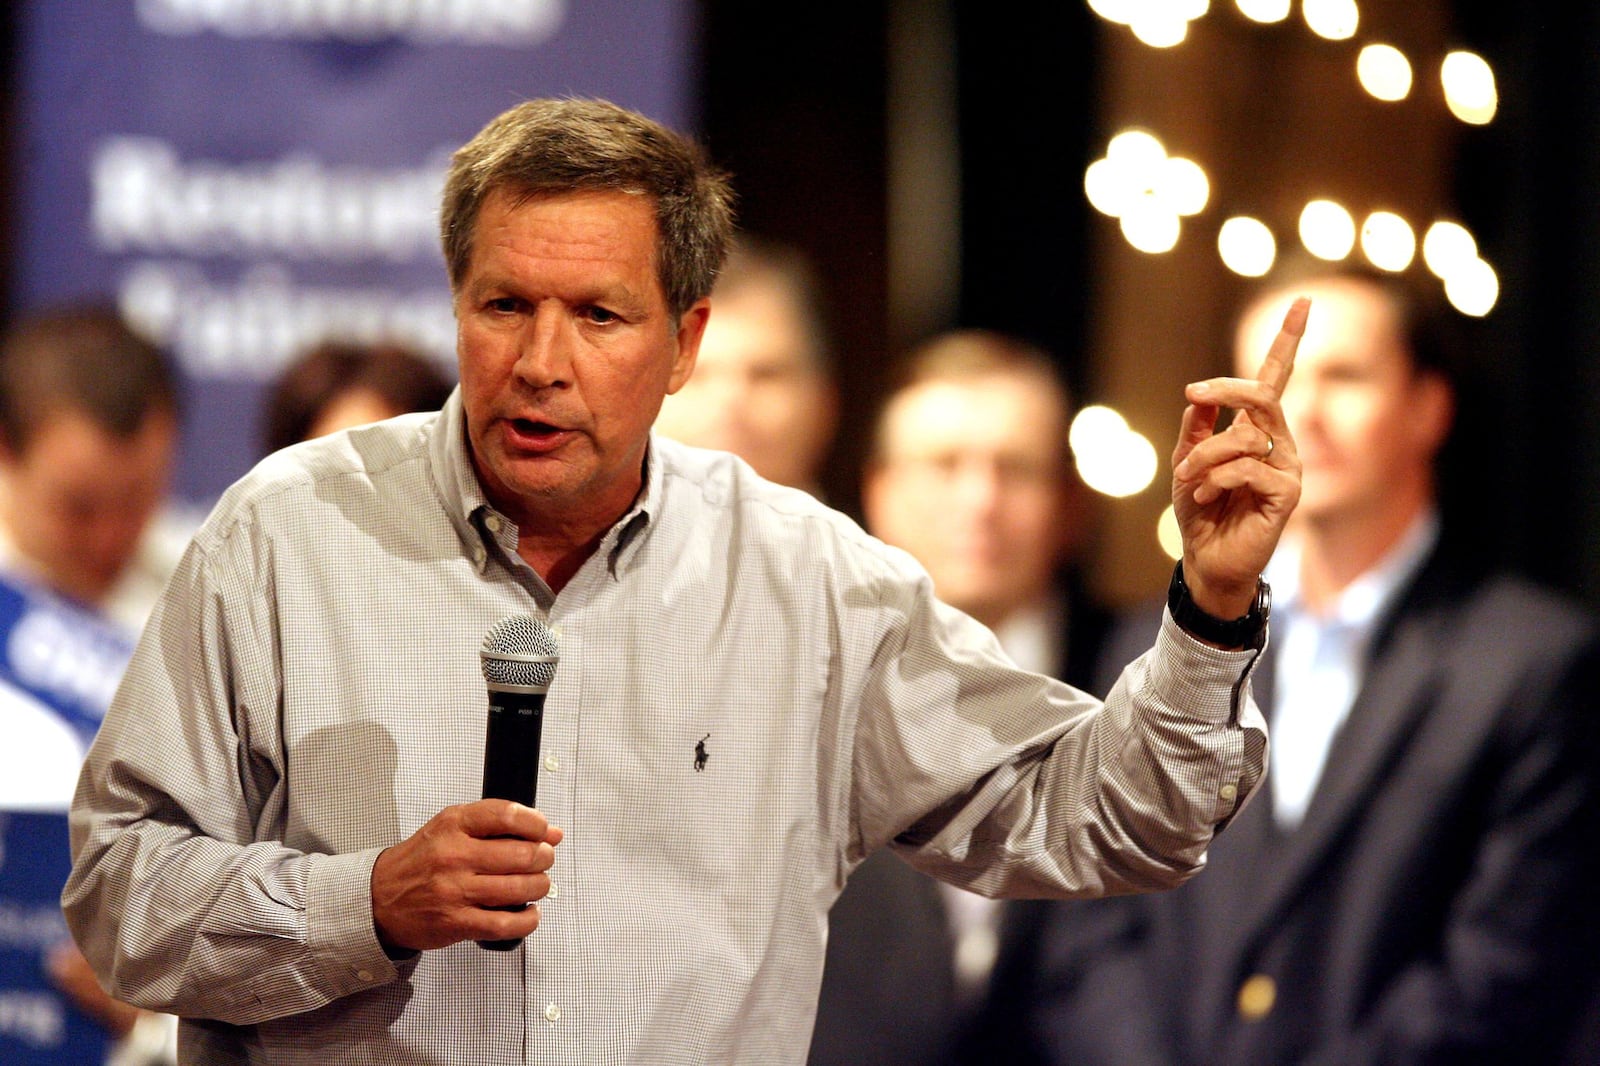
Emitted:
pixel 89 426
pixel 763 386
pixel 338 384
pixel 970 472
pixel 1413 884
pixel 88 436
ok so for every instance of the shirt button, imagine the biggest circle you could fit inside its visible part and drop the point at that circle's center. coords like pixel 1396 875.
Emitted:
pixel 1228 792
pixel 555 631
pixel 552 763
pixel 492 523
pixel 1256 997
pixel 554 892
pixel 365 975
pixel 479 555
pixel 552 1014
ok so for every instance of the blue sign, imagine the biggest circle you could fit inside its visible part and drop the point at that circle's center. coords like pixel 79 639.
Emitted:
pixel 248 177
pixel 65 658
pixel 59 665
pixel 37 1024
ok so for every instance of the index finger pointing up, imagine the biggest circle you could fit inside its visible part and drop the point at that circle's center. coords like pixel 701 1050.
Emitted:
pixel 1278 365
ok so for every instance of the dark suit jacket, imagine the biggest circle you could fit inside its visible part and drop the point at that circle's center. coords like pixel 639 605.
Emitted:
pixel 1432 907
pixel 888 987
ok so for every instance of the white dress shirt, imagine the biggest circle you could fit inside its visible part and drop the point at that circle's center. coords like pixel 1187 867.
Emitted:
pixel 308 693
pixel 1321 661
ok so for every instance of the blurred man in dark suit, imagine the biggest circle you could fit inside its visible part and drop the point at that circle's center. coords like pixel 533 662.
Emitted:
pixel 970 472
pixel 1412 886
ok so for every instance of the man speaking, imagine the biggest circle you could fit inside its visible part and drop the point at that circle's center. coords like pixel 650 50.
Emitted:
pixel 277 834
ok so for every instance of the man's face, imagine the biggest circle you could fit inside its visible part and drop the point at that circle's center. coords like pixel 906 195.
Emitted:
pixel 566 348
pixel 79 498
pixel 756 389
pixel 971 480
pixel 1366 423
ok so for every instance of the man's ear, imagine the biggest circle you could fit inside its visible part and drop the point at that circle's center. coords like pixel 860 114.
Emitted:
pixel 691 327
pixel 1433 411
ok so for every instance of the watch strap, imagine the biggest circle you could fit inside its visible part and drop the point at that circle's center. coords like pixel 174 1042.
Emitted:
pixel 1247 631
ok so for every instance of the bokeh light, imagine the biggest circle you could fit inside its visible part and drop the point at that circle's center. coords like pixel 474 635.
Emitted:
pixel 1112 458
pixel 1264 11
pixel 1469 87
pixel 1147 190
pixel 1168 534
pixel 1247 246
pixel 1327 230
pixel 1388 241
pixel 1473 289
pixel 1448 246
pixel 1384 71
pixel 1335 20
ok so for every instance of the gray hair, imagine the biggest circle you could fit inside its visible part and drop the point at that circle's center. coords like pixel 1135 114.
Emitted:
pixel 555 146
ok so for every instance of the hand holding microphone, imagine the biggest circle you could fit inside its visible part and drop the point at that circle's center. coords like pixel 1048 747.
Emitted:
pixel 519 664
pixel 470 872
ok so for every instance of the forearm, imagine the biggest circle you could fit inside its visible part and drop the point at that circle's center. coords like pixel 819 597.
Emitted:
pixel 1114 799
pixel 191 925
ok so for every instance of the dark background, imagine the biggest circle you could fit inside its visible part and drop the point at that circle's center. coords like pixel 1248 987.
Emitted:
pixel 795 102
pixel 797 111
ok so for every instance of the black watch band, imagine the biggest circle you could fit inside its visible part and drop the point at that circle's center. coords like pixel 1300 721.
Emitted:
pixel 1247 631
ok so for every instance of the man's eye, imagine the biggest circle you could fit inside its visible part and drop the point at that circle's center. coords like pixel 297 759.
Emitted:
pixel 503 304
pixel 600 315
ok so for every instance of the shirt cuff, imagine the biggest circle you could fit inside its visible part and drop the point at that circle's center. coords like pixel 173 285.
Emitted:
pixel 1189 674
pixel 343 942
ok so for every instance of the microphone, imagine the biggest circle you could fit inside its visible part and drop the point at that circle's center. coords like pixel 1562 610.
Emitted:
pixel 519 664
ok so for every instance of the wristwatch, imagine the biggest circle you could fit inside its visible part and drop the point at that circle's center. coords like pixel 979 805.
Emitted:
pixel 1247 631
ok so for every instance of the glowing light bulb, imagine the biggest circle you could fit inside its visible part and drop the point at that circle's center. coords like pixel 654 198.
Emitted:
pixel 1384 71
pixel 1473 288
pixel 1446 247
pixel 1150 228
pixel 1469 87
pixel 1264 11
pixel 1247 246
pixel 1388 241
pixel 1182 186
pixel 1168 535
pixel 1335 20
pixel 1327 230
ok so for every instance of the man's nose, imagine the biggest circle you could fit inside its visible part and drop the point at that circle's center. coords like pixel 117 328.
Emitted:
pixel 976 484
pixel 544 358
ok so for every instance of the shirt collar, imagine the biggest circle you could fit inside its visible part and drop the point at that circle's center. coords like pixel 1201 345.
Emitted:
pixel 468 506
pixel 453 476
pixel 1365 598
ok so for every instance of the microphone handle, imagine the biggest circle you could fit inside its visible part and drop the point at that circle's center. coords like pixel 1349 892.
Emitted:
pixel 511 761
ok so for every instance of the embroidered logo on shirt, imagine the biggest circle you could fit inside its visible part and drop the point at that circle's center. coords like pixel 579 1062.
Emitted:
pixel 701 755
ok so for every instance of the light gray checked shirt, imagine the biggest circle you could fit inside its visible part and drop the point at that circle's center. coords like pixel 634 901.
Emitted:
pixel 308 692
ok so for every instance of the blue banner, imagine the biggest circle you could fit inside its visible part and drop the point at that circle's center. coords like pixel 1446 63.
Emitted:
pixel 247 177
pixel 59 666
pixel 38 1025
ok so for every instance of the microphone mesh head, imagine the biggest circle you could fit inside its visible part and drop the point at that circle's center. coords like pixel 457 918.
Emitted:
pixel 508 647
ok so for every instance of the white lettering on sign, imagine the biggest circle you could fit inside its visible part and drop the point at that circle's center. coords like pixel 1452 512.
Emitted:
pixel 515 23
pixel 252 328
pixel 144 198
pixel 33 1018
